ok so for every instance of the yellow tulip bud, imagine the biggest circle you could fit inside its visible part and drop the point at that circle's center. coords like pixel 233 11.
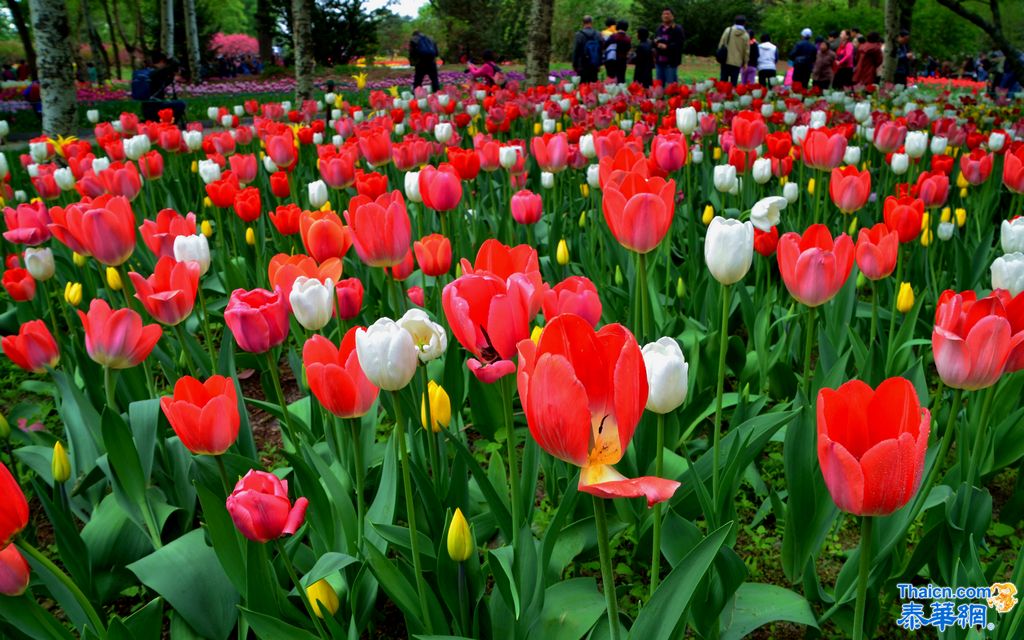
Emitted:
pixel 206 228
pixel 810 186
pixel 114 279
pixel 963 193
pixel 250 237
pixel 321 596
pixel 584 189
pixel 950 151
pixel 78 259
pixel 440 408
pixel 926 237
pixel 537 128
pixel 717 153
pixel 535 334
pixel 195 166
pixel 945 214
pixel 583 219
pixel 460 538
pixel 207 202
pixel 783 180
pixel 5 428
pixel 709 215
pixel 905 299
pixel 562 253
pixel 853 226
pixel 618 276
pixel 926 220
pixel 73 293
pixel 961 216
pixel 60 466
pixel 961 181
pixel 680 288
pixel 558 127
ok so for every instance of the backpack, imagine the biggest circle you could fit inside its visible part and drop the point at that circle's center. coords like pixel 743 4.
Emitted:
pixel 142 84
pixel 426 48
pixel 592 49
pixel 611 51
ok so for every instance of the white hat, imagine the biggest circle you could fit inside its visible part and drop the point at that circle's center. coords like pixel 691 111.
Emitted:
pixel 806 33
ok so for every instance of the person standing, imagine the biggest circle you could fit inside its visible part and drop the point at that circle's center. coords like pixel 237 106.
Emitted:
pixel 844 62
pixel 802 58
pixel 643 58
pixel 748 75
pixel 733 50
pixel 423 58
pixel 869 59
pixel 620 43
pixel 904 58
pixel 586 51
pixel 668 48
pixel 609 47
pixel 767 61
pixel 823 64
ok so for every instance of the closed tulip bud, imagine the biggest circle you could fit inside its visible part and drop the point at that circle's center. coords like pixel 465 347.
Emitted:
pixel 39 262
pixel 667 372
pixel 250 237
pixel 195 248
pixel 852 155
pixel 708 215
pixel 460 538
pixel 762 170
pixel 4 169
pixel 916 143
pixel 938 145
pixel 716 154
pixel 79 259
pixel 899 163
pixel 443 132
pixel 562 253
pixel 587 148
pixel 15 573
pixel 686 120
pixel 317 191
pixel 412 186
pixel 810 186
pixel 585 190
pixel 594 176
pixel 206 228
pixel 725 177
pixel 387 354
pixel 194 166
pixel 618 276
pixel 946 214
pixel 60 465
pixel 268 165
pixel 209 171
pixel 73 293
pixel 312 302
pixel 1008 273
pixel 696 155
pixel 926 237
pixel 961 216
pixel 861 280
pixel 583 219
pixel 322 597
pixel 547 180
pixel 64 178
pixel 961 181
pixel 729 249
pixel 93 116
pixel 508 156
pixel 946 230
pixel 680 288
pixel 5 428
pixel 852 229
pixel 440 408
pixel 905 298
pixel 114 279
pixel 535 334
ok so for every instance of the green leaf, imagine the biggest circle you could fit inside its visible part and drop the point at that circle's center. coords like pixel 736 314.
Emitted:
pixel 500 561
pixel 31 619
pixel 81 424
pixel 327 564
pixel 124 458
pixel 145 624
pixel 224 536
pixel 755 605
pixel 395 584
pixel 667 609
pixel 187 574
pixel 271 627
pixel 571 609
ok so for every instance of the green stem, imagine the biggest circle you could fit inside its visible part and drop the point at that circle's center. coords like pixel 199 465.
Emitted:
pixel 894 312
pixel 410 508
pixel 223 474
pixel 125 282
pixel 206 331
pixel 357 459
pixel 110 385
pixel 463 597
pixel 181 344
pixel 435 470
pixel 607 575
pixel 510 440
pixel 864 571
pixel 974 465
pixel 874 325
pixel 808 350
pixel 659 463
pixel 272 366
pixel 719 395
pixel 944 444
pixel 298 587
pixel 69 584
pixel 645 311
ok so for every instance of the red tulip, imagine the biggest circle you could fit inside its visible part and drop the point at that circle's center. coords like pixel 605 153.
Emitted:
pixel 33 349
pixel 1013 170
pixel 850 188
pixel 976 166
pixel 614 169
pixel 779 144
pixel 765 242
pixel 812 266
pixel 204 415
pixel 282 151
pixel 877 250
pixel 415 295
pixel 943 164
pixel 823 149
pixel 258 319
pixel 639 210
pixel 551 151
pixel 375 145
pixel 159 235
pixel 19 284
pixel 338 170
pixel 372 185
pixel 503 261
pixel 1014 308
pixel 222 192
pixel 247 204
pixel 749 130
pixel 244 166
pixel 526 206
pixel 403 269
pixel 151 164
pixel 13 507
pixel 932 189
pixel 122 180
pixel 27 224
pixel 441 187
pixel 286 218
pixel 669 152
pixel 904 215
pixel 260 508
pixel 14 572
pixel 279 185
pixel 335 377
pixel 349 293
pixel 465 161
pixel 323 235
pixel 284 269
pixel 889 136
pixel 576 295
pixel 103 228
pixel 380 229
pixel 46 186
pixel 170 293
pixel 972 340
pixel 583 394
pixel 871 445
pixel 117 339
pixel 433 254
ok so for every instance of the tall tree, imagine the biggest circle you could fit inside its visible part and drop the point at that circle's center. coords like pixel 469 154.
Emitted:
pixel 14 6
pixel 192 41
pixel 99 53
pixel 993 29
pixel 56 81
pixel 302 36
pixel 113 36
pixel 892 28
pixel 265 29
pixel 167 27
pixel 538 41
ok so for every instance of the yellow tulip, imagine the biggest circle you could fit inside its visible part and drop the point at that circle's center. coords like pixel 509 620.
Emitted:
pixel 460 538
pixel 195 166
pixel 393 90
pixel 810 186
pixel 717 153
pixel 206 228
pixel 558 127
pixel 321 596
pixel 5 428
pixel 783 180
pixel 78 259
pixel 73 293
pixel 250 237
pixel 440 408
pixel 963 193
pixel 946 214
pixel 60 466
pixel 926 237
pixel 207 202
pixel 114 279
pixel 961 181
pixel 583 219
pixel 584 189
pixel 537 128
pixel 360 79
pixel 961 216
pixel 905 299
pixel 535 334
pixel 926 220
pixel 709 215
pixel 562 253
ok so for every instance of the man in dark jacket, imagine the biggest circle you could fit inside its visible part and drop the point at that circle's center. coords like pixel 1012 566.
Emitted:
pixel 643 58
pixel 423 58
pixel 802 58
pixel 586 51
pixel 622 43
pixel 668 48
pixel 904 57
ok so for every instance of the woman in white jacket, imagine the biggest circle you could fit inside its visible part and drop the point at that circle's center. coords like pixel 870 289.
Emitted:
pixel 767 61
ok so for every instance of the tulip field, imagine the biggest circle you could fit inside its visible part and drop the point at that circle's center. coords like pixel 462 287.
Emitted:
pixel 561 362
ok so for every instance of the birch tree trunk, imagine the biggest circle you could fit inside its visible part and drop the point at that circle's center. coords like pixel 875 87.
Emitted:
pixel 892 29
pixel 538 41
pixel 167 27
pixel 302 33
pixel 56 79
pixel 14 6
pixel 192 41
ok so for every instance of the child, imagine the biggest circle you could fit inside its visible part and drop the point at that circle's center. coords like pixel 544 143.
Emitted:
pixel 643 58
pixel 487 72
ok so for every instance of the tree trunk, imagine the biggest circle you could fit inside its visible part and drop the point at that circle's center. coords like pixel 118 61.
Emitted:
pixel 302 33
pixel 99 53
pixel 265 30
pixel 129 47
pixel 892 28
pixel 113 38
pixel 906 13
pixel 192 41
pixel 14 6
pixel 167 27
pixel 538 41
pixel 56 82
pixel 993 29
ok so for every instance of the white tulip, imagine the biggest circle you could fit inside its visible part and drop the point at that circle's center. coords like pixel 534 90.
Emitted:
pixel 946 230
pixel 862 111
pixel 312 302
pixel 239 110
pixel 64 178
pixel 916 143
pixel 900 163
pixel 1011 235
pixel 508 156
pixel 479 95
pixel 798 133
pixel 762 170
pixel 686 120
pixel 400 129
pixel 269 165
pixel 209 171
pixel 996 140
pixel 1008 273
pixel 136 146
pixel 443 99
pixel 20 195
pixel 594 176
pixel 358 116
pixel 330 97
pixel 473 110
pixel 387 354
pixel 33 170
pixel 38 151
pixel 193 139
pixel 443 131
pixel 729 249
pixel 213 112
pixel 667 375
pixel 429 337
pixel 317 191
pixel 939 145
pixel 412 186
pixel 766 212
pixel 767 109
pixel 93 116
pixel 789 117
pixel 39 262
pixel 696 155
pixel 337 140
pixel 725 177
pixel 852 156
pixel 791 192
pixel 195 248
pixel 227 120
pixel 4 168
pixel 547 180
pixel 817 119
pixel 547 125
pixel 587 148
pixel 5 128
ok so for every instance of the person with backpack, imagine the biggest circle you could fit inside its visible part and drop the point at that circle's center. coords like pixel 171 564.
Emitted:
pixel 767 61
pixel 733 50
pixel 668 48
pixel 802 58
pixel 586 51
pixel 620 43
pixel 423 58
pixel 643 58
pixel 748 75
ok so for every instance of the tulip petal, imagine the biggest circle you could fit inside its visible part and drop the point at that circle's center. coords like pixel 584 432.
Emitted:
pixel 604 481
